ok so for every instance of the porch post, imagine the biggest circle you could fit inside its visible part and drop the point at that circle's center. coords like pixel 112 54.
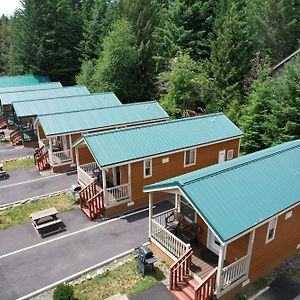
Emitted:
pixel 71 150
pixel 38 135
pixel 150 213
pixel 50 150
pixel 177 202
pixel 77 156
pixel 249 251
pixel 220 268
pixel 129 180
pixel 104 184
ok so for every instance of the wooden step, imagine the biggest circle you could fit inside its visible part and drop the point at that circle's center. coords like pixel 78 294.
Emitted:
pixel 189 291
pixel 180 295
pixel 194 283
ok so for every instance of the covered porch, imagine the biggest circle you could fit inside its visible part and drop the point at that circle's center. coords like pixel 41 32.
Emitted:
pixel 217 266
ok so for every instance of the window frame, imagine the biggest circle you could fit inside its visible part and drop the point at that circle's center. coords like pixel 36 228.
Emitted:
pixel 150 168
pixel 185 156
pixel 229 151
pixel 186 203
pixel 271 226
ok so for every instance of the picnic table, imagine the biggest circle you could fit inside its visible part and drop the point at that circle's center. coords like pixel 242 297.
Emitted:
pixel 45 219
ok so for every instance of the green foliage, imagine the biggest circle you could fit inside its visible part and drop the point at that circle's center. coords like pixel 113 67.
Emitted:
pixel 274 26
pixel 186 27
pixel 117 67
pixel 230 61
pixel 85 77
pixel 63 292
pixel 188 86
pixel 45 36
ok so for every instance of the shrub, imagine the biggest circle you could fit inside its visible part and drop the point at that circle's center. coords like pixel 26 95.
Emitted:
pixel 63 292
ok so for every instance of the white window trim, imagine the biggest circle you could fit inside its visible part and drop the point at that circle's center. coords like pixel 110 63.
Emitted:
pixel 269 228
pixel 147 176
pixel 231 152
pixel 192 164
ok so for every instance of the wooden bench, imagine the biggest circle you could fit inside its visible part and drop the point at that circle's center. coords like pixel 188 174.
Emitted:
pixel 45 219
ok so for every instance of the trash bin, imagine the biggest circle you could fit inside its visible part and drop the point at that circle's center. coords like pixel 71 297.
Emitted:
pixel 144 258
pixel 75 189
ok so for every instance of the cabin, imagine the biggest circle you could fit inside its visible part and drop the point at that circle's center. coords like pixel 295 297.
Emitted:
pixel 114 166
pixel 25 133
pixel 5 110
pixel 57 132
pixel 235 222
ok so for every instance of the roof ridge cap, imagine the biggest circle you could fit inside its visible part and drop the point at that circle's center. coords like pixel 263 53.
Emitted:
pixel 288 148
pixel 153 124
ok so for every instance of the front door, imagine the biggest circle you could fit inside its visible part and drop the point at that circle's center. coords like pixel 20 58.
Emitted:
pixel 221 156
pixel 213 243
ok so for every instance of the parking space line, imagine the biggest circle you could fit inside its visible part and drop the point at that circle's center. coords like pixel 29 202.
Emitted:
pixel 72 233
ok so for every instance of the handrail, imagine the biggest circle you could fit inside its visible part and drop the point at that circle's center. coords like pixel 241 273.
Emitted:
pixel 164 212
pixel 180 269
pixel 206 288
pixel 117 193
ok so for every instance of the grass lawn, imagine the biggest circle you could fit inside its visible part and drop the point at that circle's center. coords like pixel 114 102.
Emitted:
pixel 20 214
pixel 19 164
pixel 4 141
pixel 125 279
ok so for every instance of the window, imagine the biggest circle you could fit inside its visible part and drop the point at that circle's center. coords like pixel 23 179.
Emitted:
pixel 147 168
pixel 187 210
pixel 271 230
pixel 229 154
pixel 189 157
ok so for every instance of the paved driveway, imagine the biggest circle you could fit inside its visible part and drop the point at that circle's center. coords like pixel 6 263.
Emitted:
pixel 41 264
pixel 9 152
pixel 27 183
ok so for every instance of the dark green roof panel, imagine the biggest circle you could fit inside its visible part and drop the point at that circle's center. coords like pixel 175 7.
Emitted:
pixel 22 80
pixel 236 195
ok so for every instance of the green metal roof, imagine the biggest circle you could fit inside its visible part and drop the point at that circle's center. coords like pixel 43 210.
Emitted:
pixel 56 124
pixel 65 104
pixel 23 88
pixel 236 195
pixel 117 146
pixel 9 98
pixel 22 80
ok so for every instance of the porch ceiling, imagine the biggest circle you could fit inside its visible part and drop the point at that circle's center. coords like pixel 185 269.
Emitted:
pixel 239 194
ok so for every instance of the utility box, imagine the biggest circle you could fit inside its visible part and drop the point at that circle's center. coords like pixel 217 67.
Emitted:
pixel 75 189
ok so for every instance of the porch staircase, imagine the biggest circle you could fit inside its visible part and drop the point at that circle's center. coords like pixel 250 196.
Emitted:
pixel 15 137
pixel 2 122
pixel 41 159
pixel 92 201
pixel 184 287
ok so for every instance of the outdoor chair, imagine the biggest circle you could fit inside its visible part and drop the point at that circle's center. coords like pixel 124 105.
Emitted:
pixel 173 221
pixel 188 233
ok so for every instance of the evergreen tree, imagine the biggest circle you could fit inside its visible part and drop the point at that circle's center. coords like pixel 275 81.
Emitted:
pixel 187 27
pixel 144 18
pixel 45 36
pixel 275 27
pixel 230 62
pixel 117 67
pixel 97 21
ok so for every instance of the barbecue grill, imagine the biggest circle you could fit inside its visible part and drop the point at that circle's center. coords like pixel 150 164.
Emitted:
pixel 145 258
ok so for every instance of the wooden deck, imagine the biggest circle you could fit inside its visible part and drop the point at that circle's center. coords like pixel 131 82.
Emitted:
pixel 203 261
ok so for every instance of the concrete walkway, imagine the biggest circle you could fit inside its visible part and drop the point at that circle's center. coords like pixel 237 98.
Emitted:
pixel 159 291
pixel 29 263
pixel 27 183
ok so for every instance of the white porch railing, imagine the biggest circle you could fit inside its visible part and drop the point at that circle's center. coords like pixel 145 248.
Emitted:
pixel 168 240
pixel 83 176
pixel 116 193
pixel 161 217
pixel 60 157
pixel 88 168
pixel 233 272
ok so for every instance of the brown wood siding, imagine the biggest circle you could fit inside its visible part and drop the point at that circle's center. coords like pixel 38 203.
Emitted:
pixel 85 156
pixel 206 156
pixel 266 257
pixel 237 248
pixel 202 237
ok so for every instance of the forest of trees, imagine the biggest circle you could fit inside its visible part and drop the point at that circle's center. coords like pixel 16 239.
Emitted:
pixel 204 55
